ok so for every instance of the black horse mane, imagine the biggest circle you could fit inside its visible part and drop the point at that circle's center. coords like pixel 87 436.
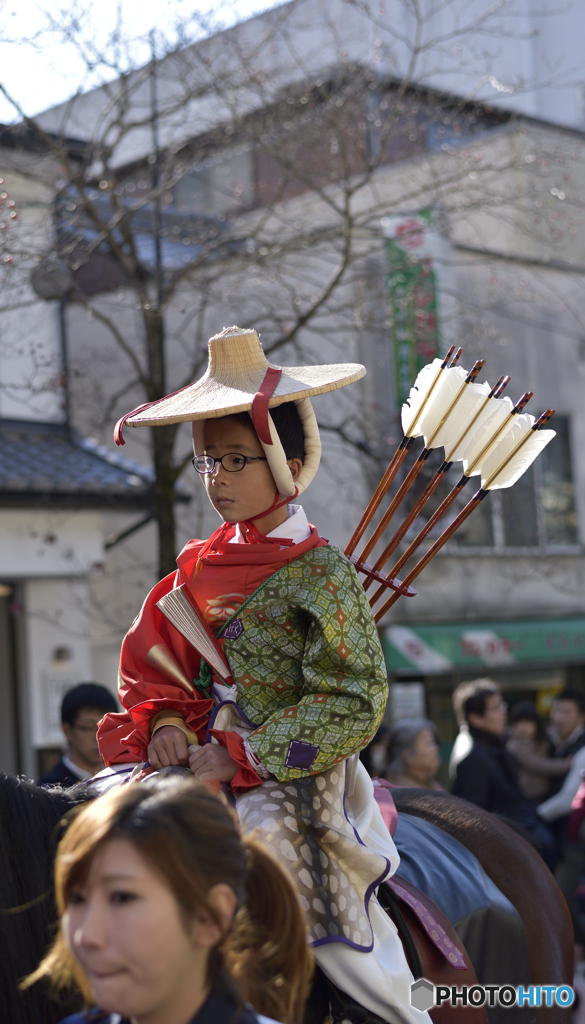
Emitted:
pixel 31 823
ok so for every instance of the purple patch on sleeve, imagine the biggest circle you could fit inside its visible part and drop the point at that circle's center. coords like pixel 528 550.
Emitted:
pixel 234 630
pixel 301 755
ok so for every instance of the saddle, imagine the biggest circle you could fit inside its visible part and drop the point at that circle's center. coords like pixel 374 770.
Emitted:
pixel 432 946
pixel 433 950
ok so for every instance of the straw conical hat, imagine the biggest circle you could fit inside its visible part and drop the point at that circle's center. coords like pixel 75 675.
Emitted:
pixel 236 371
pixel 239 378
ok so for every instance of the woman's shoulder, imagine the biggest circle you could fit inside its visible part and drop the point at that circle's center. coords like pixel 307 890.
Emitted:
pixel 245 1015
pixel 223 1007
pixel 94 1017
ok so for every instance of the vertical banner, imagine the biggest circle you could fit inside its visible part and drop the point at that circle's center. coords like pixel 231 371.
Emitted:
pixel 411 246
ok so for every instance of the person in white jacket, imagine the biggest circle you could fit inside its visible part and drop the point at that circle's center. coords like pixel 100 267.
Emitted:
pixel 559 805
pixel 568 734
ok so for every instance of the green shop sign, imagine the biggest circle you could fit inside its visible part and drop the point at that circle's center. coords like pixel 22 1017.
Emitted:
pixel 435 649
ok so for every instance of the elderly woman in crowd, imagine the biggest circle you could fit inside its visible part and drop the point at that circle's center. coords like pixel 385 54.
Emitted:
pixel 413 754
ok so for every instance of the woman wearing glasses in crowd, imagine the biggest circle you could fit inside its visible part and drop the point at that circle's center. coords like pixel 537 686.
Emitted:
pixel 168 916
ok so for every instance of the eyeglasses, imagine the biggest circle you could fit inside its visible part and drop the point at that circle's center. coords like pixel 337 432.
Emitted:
pixel 84 728
pixel 232 462
pixel 502 706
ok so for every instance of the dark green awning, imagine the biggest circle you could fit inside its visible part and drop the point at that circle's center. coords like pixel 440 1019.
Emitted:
pixel 429 650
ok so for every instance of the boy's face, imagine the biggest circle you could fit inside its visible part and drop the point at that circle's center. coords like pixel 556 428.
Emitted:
pixel 243 495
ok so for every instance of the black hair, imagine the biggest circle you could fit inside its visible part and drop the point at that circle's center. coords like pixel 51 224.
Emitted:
pixel 472 698
pixel 569 693
pixel 288 425
pixel 525 711
pixel 31 822
pixel 86 695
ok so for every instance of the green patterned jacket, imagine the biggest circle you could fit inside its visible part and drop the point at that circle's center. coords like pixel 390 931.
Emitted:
pixel 306 658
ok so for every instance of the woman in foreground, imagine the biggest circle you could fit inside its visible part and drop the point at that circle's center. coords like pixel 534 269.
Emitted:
pixel 169 917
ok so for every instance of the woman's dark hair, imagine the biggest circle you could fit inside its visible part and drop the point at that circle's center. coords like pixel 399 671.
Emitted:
pixel 525 711
pixel 288 427
pixel 192 840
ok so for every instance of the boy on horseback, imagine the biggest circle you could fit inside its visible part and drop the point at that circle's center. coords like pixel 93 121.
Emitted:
pixel 305 687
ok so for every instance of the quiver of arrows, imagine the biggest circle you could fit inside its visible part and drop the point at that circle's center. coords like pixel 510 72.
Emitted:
pixel 494 440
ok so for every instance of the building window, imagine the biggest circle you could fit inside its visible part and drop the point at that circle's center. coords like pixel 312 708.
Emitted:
pixel 537 513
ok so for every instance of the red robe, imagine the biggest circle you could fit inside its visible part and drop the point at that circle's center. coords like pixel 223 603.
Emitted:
pixel 155 657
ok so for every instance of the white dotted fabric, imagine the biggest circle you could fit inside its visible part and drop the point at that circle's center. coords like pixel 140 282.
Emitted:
pixel 304 825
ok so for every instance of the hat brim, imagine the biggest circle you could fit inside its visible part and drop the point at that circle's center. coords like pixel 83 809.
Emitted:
pixel 208 398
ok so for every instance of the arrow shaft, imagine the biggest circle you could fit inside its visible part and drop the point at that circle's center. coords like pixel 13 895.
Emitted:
pixel 430 554
pixel 397 458
pixel 463 515
pixel 434 483
pixel 415 470
pixel 396 501
pixel 395 464
pixel 454 493
pixel 417 507
pixel 445 504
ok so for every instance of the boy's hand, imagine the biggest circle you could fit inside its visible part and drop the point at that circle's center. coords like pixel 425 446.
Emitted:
pixel 168 746
pixel 212 762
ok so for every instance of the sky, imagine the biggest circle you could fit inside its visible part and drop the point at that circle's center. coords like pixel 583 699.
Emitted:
pixel 39 67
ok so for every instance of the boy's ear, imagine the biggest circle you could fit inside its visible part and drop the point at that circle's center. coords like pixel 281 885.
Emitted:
pixel 295 466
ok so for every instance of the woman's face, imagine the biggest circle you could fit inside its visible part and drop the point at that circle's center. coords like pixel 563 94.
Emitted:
pixel 524 729
pixel 124 927
pixel 424 755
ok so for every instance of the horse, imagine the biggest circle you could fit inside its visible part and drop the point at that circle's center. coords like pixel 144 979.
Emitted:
pixel 519 873
pixel 32 820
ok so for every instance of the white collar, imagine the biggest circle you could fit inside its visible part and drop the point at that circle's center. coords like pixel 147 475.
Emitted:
pixel 295 528
pixel 75 769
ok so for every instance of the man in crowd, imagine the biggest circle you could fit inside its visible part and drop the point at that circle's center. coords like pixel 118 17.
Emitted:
pixel 482 769
pixel 567 731
pixel 567 734
pixel 82 708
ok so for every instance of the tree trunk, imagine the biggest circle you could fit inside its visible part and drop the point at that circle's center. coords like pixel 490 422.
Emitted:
pixel 164 497
pixel 163 441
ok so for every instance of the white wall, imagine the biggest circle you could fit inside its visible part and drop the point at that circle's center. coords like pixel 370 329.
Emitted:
pixel 30 343
pixel 58 653
pixel 38 543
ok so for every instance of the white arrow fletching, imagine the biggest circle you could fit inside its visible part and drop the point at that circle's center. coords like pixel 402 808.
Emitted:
pixel 472 397
pixel 473 428
pixel 519 463
pixel 488 425
pixel 448 387
pixel 418 393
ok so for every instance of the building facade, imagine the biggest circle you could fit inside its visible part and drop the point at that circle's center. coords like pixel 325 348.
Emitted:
pixel 351 206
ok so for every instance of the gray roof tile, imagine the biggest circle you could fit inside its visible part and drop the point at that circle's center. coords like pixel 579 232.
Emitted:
pixel 44 463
